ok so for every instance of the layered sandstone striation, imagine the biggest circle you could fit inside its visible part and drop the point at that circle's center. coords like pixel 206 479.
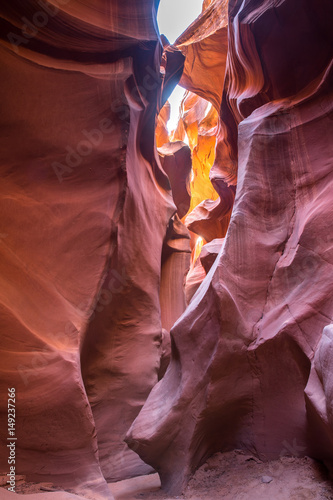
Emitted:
pixel 251 339
pixel 99 228
pixel 85 207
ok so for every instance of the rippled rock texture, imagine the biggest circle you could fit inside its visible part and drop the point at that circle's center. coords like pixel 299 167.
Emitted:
pixel 85 207
pixel 94 252
pixel 243 350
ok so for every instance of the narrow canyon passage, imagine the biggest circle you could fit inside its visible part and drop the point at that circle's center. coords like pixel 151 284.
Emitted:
pixel 186 136
pixel 166 284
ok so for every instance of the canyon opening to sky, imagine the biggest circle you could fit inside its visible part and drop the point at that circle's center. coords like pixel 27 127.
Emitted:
pixel 172 27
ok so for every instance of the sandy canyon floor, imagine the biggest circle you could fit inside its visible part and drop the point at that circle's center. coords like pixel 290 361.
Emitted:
pixel 227 476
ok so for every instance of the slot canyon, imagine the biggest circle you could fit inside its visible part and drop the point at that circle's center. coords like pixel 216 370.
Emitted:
pixel 166 296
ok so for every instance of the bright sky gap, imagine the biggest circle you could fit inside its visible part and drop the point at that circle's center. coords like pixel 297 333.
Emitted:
pixel 173 17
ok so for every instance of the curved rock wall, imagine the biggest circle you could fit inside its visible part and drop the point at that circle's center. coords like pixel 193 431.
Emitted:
pixel 242 351
pixel 84 211
pixel 86 231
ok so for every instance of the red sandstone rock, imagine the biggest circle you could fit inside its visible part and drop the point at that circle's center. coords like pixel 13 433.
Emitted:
pixel 176 257
pixel 210 219
pixel 319 399
pixel 84 241
pixel 194 278
pixel 242 351
pixel 162 135
pixel 204 45
pixel 166 353
pixel 84 210
pixel 176 162
pixel 209 253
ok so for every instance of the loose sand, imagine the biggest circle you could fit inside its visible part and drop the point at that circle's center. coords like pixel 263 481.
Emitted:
pixel 228 476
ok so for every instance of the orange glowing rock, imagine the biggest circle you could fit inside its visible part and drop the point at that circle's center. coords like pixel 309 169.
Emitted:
pixel 162 134
pixel 199 119
pixel 197 249
pixel 204 45
pixel 252 354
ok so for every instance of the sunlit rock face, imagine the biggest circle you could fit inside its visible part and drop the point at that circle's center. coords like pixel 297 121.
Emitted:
pixel 199 120
pixel 204 45
pixel 161 132
pixel 198 204
pixel 84 212
pixel 243 351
